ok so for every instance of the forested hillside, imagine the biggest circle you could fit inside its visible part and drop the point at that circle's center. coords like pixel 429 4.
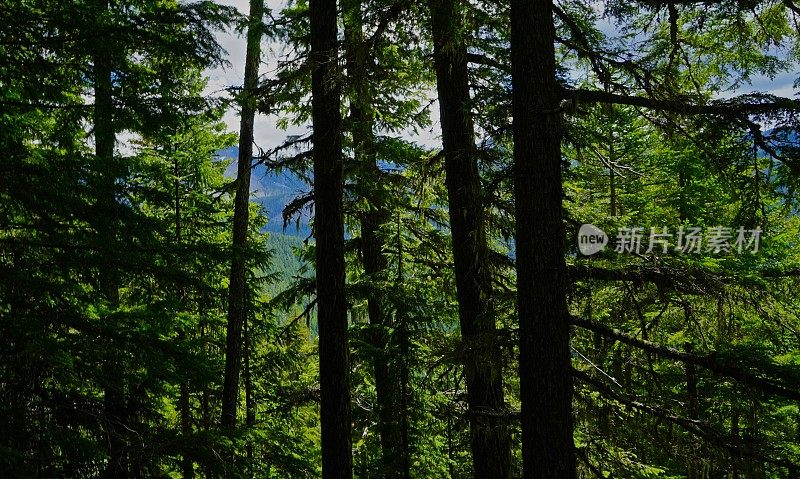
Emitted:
pixel 591 272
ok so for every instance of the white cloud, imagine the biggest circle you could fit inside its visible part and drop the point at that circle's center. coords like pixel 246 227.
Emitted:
pixel 267 134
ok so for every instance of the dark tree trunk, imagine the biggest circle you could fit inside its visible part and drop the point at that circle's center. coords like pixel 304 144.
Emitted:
pixel 187 465
pixel 205 404
pixel 404 346
pixel 334 354
pixel 752 468
pixel 735 441
pixel 691 387
pixel 403 343
pixel 387 382
pixel 104 139
pixel 612 183
pixel 387 385
pixel 237 305
pixel 489 437
pixel 544 365
pixel 694 464
pixel 249 398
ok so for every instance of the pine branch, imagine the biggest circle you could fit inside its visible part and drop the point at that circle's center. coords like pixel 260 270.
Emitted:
pixel 696 427
pixel 713 362
pixel 480 59
pixel 693 279
pixel 33 105
pixel 737 107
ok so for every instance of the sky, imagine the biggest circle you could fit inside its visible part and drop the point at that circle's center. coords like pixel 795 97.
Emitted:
pixel 267 135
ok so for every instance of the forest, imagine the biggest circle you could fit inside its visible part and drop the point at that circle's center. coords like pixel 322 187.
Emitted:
pixel 486 239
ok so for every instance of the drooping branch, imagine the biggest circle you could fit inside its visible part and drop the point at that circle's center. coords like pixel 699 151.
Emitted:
pixel 33 105
pixel 665 274
pixel 599 59
pixel 694 279
pixel 792 6
pixel 480 59
pixel 733 108
pixel 391 15
pixel 713 362
pixel 698 428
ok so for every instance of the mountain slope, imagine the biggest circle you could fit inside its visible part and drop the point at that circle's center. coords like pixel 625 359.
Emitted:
pixel 273 191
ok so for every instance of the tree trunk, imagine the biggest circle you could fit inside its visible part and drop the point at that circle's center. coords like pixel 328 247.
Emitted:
pixel 187 465
pixel 545 367
pixel 694 464
pixel 387 385
pixel 334 354
pixel 387 382
pixel 237 305
pixel 489 437
pixel 104 139
pixel 735 442
pixel 205 404
pixel 403 343
pixel 612 183
pixel 249 398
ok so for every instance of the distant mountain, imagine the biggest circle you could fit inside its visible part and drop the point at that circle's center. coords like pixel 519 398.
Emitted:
pixel 273 191
pixel 780 139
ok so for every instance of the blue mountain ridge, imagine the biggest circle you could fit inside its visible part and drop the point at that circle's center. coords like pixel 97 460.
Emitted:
pixel 273 191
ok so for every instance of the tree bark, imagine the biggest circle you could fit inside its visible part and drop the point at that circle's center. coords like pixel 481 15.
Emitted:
pixel 694 469
pixel 237 290
pixel 249 397
pixel 104 139
pixel 612 183
pixel 548 450
pixel 489 437
pixel 184 407
pixel 735 441
pixel 334 354
pixel 387 387
pixel 187 464
pixel 205 403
